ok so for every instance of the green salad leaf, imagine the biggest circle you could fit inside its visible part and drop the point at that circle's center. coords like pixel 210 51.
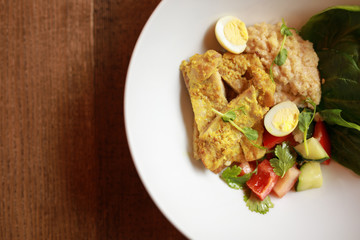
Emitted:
pixel 335 34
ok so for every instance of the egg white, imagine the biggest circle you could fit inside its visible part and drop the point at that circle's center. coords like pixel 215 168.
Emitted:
pixel 224 42
pixel 270 115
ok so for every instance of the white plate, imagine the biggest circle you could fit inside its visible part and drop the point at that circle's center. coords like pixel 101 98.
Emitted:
pixel 159 119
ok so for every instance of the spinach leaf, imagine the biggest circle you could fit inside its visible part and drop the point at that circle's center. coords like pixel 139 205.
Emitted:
pixel 345 149
pixel 335 28
pixel 333 116
pixel 335 34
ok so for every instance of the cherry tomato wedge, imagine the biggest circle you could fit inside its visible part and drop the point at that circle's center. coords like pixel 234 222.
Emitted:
pixel 263 181
pixel 322 136
pixel 270 141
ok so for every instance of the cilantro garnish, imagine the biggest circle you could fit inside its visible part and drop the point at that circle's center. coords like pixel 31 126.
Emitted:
pixel 231 176
pixel 255 204
pixel 305 119
pixel 284 161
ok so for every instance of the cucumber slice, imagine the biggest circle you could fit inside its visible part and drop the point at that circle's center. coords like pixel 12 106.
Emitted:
pixel 316 151
pixel 310 177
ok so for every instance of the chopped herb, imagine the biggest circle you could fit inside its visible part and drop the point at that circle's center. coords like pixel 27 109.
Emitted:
pixel 250 133
pixel 281 57
pixel 230 116
pixel 231 176
pixel 305 119
pixel 284 161
pixel 283 53
pixel 255 204
pixel 285 30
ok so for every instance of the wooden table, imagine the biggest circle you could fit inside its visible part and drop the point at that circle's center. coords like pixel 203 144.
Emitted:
pixel 66 171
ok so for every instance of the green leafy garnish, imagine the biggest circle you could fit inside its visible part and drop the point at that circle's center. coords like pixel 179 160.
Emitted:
pixel 285 30
pixel 231 176
pixel 281 57
pixel 255 204
pixel 250 133
pixel 305 119
pixel 284 161
pixel 230 116
pixel 283 53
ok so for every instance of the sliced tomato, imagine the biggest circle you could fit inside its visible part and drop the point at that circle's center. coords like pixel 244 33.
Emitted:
pixel 321 134
pixel 270 141
pixel 263 181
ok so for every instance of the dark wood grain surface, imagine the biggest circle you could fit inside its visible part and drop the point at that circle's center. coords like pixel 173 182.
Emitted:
pixel 66 171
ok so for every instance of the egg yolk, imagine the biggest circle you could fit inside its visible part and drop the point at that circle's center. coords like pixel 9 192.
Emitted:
pixel 235 31
pixel 285 119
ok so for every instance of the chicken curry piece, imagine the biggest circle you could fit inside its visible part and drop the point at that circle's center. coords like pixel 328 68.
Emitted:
pixel 210 78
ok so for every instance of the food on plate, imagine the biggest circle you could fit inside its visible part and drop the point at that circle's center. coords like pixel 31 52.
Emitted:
pixel 232 34
pixel 284 184
pixel 335 35
pixel 215 142
pixel 261 115
pixel 310 176
pixel 298 78
pixel 282 119
pixel 316 151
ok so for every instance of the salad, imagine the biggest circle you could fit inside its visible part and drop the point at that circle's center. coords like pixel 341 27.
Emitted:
pixel 280 144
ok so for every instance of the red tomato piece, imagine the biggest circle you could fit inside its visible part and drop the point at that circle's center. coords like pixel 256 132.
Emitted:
pixel 263 181
pixel 321 134
pixel 270 141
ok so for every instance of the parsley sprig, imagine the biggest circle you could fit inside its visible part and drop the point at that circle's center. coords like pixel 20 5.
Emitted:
pixel 283 53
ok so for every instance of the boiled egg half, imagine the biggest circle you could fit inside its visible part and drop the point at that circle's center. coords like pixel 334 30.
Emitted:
pixel 232 34
pixel 282 119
